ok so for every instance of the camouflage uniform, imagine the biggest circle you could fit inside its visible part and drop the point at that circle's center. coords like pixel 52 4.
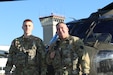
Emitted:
pixel 70 57
pixel 28 56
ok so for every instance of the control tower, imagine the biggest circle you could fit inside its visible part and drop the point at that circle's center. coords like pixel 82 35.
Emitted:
pixel 49 26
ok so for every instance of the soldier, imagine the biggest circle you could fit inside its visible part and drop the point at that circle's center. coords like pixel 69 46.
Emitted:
pixel 26 53
pixel 68 55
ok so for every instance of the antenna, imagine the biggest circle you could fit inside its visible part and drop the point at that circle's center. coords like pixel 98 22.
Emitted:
pixel 73 18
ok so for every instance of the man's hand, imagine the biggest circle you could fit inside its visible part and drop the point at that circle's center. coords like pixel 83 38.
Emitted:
pixel 52 54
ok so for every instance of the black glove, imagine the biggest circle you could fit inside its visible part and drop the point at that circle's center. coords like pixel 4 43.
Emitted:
pixel 85 74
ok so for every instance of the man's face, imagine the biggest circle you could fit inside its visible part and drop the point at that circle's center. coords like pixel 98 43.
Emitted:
pixel 27 27
pixel 62 31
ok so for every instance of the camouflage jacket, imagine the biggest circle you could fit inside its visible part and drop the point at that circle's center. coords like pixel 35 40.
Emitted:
pixel 70 56
pixel 27 54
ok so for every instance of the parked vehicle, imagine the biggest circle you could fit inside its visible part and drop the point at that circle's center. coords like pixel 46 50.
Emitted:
pixel 3 57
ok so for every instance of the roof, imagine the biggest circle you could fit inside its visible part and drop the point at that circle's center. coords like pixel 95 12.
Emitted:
pixel 5 48
pixel 108 7
pixel 52 15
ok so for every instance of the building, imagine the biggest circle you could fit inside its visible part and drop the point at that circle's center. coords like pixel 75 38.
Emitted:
pixel 49 26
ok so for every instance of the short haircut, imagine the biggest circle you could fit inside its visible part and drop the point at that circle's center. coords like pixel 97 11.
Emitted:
pixel 27 20
pixel 59 23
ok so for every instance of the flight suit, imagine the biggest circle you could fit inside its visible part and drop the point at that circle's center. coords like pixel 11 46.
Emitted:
pixel 27 55
pixel 70 58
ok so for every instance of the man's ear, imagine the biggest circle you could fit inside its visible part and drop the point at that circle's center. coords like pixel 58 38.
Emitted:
pixel 22 27
pixel 33 27
pixel 68 29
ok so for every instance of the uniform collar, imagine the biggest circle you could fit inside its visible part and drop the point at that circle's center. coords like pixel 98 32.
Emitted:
pixel 67 38
pixel 30 36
